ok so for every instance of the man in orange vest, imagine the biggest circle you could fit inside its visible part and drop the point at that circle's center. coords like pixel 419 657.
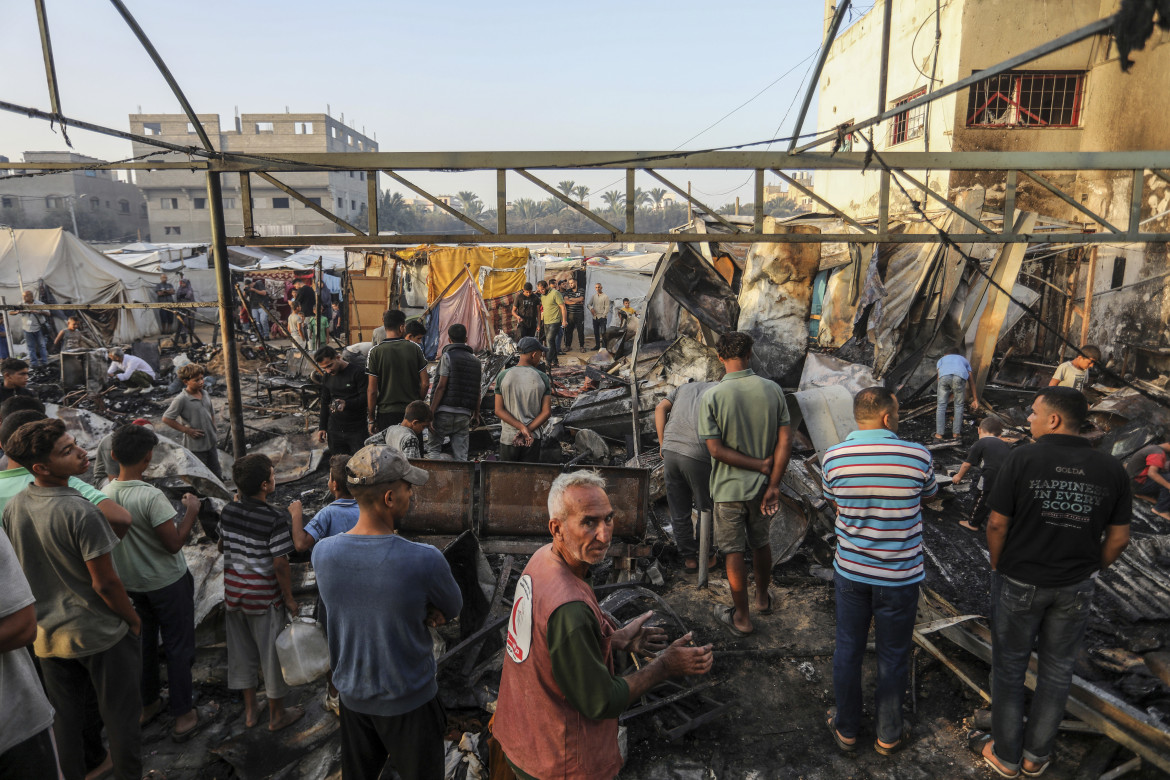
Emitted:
pixel 559 698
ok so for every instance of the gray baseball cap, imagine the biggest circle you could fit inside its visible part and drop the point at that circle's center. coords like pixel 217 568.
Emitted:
pixel 529 344
pixel 378 464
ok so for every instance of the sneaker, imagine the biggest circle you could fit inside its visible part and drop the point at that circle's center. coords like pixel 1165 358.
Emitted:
pixel 332 704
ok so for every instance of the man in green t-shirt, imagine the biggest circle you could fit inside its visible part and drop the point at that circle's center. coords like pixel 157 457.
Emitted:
pixel 553 315
pixel 744 421
pixel 397 371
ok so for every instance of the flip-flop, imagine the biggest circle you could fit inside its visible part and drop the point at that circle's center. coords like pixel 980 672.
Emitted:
pixel 1038 772
pixel 889 750
pixel 976 740
pixel 831 722
pixel 725 616
pixel 768 609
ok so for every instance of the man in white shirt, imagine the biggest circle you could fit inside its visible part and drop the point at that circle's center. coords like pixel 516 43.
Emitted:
pixel 599 307
pixel 132 370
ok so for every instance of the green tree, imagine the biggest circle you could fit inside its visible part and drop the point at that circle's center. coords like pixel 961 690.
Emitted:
pixel 581 192
pixel 613 200
pixel 641 198
pixel 472 206
pixel 656 195
pixel 566 187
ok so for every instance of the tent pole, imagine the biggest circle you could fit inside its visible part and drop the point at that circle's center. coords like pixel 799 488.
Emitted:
pixel 227 326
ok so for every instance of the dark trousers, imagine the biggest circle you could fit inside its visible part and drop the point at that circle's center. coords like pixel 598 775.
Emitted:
pixel 552 335
pixel 687 485
pixel 33 759
pixel 575 325
pixel 210 458
pixel 343 441
pixel 383 420
pixel 1152 488
pixel 171 612
pixel 529 454
pixel 113 675
pixel 527 329
pixel 411 743
pixel 1054 620
pixel 892 610
pixel 599 324
pixel 980 510
pixel 166 319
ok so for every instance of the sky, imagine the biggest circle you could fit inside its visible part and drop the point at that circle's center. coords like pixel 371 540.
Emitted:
pixel 511 75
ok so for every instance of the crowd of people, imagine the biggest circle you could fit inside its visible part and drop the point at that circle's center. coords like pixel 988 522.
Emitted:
pixel 93 581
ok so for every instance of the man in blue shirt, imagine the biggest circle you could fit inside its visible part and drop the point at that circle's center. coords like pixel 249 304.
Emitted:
pixel 954 379
pixel 383 592
pixel 876 483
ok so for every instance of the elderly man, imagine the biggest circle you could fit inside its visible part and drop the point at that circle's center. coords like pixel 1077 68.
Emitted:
pixel 34 337
pixel 876 482
pixel 132 370
pixel 559 697
pixel 1060 513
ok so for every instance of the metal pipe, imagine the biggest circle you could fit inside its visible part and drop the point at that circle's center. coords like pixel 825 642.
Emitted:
pixel 51 71
pixel 704 545
pixel 227 325
pixel 884 63
pixel 830 34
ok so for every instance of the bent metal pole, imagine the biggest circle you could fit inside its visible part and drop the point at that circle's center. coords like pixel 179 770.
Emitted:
pixel 227 325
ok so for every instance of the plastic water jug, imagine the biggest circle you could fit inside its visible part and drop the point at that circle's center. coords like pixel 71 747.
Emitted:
pixel 303 652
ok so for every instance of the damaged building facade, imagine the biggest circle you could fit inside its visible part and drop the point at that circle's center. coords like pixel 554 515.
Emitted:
pixel 1075 99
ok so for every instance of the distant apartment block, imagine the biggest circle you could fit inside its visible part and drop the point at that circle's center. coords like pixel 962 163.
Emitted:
pixel 106 209
pixel 177 200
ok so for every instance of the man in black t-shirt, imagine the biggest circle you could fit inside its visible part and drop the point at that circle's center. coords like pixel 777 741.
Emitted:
pixel 343 402
pixel 1060 513
pixel 526 308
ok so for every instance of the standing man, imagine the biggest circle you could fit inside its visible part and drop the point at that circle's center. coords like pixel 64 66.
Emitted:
pixel 382 593
pixel 687 464
pixel 343 402
pixel 1075 373
pixel 164 292
pixel 954 373
pixel 526 310
pixel 559 703
pixel 744 421
pixel 553 314
pixel 1060 513
pixel 575 309
pixel 523 404
pixel 87 629
pixel 258 299
pixel 877 483
pixel 306 299
pixel 34 337
pixel 456 397
pixel 397 374
pixel 598 307
pixel 184 318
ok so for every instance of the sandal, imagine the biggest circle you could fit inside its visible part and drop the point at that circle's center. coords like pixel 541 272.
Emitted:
pixel 889 750
pixel 976 741
pixel 725 615
pixel 831 722
pixel 1037 772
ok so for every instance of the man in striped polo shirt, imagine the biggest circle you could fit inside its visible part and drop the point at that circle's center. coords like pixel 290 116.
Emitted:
pixel 256 540
pixel 877 483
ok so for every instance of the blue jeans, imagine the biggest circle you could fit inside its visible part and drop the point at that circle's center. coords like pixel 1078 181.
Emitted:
pixel 35 341
pixel 1021 614
pixel 950 385
pixel 893 610
pixel 552 342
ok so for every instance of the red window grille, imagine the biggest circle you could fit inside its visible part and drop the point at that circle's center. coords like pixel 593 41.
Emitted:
pixel 908 124
pixel 1027 99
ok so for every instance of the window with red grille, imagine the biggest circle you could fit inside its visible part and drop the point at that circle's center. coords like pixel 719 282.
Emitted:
pixel 1027 98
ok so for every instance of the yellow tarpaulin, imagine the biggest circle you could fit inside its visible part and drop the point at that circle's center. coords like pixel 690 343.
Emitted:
pixel 446 263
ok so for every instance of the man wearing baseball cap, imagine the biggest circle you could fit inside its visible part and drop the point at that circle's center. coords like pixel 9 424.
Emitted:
pixel 523 404
pixel 382 592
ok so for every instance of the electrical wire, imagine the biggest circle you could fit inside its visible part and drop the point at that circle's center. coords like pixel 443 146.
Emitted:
pixel 973 264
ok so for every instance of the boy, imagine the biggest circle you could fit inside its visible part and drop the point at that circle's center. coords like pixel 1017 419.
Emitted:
pixel 69 338
pixel 988 454
pixel 317 326
pixel 15 374
pixel 1075 373
pixel 255 540
pixel 336 518
pixel 296 324
pixel 404 437
pixel 87 630
pixel 416 332
pixel 193 406
pixel 1153 476
pixel 152 567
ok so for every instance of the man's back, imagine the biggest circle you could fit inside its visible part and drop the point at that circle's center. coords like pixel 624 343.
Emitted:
pixel 523 389
pixel 140 558
pixel 745 411
pixel 1060 494
pixel 681 433
pixel 54 532
pixel 397 364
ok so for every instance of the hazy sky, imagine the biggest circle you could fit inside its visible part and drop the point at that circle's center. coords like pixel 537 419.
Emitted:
pixel 433 76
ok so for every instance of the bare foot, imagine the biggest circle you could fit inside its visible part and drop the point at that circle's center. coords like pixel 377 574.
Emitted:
pixel 968 526
pixel 287 717
pixel 186 722
pixel 149 712
pixel 251 718
pixel 1165 515
pixel 103 769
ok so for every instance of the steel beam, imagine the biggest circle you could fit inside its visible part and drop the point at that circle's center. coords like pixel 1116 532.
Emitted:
pixel 50 67
pixel 329 215
pixel 631 206
pixel 1060 194
pixel 822 56
pixel 884 61
pixel 372 199
pixel 246 204
pixel 227 322
pixel 1009 201
pixel 794 183
pixel 501 201
pixel 696 203
pixel 758 202
pixel 1135 204
pixel 453 212
pixel 568 202
pixel 1099 27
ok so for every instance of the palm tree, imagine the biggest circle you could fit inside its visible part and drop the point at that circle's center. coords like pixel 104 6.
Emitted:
pixel 472 206
pixel 641 197
pixel 613 199
pixel 656 195
pixel 566 187
pixel 526 209
pixel 552 205
pixel 581 192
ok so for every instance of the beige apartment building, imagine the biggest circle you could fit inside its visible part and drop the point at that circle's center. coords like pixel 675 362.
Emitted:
pixel 177 200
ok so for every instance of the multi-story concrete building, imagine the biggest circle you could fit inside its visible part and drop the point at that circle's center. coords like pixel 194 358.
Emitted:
pixel 103 207
pixel 177 200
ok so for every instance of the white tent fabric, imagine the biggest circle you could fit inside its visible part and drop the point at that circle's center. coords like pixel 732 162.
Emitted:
pixel 332 258
pixel 622 277
pixel 75 272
